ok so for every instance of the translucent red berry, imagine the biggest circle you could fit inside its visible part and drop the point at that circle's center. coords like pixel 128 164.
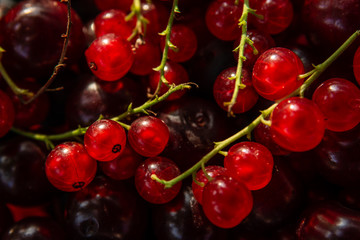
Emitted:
pixel 297 124
pixel 356 65
pixel 112 21
pixel 339 101
pixel 250 163
pixel 223 91
pixel 174 74
pixel 213 171
pixel 277 15
pixel 123 5
pixel 222 18
pixel 261 41
pixel 105 140
pixel 226 201
pixel 147 56
pixel 123 166
pixel 185 41
pixel 151 190
pixel 148 136
pixel 7 114
pixel 275 73
pixel 69 167
pixel 109 57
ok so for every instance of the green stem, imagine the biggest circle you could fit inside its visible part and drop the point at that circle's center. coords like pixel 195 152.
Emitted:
pixel 264 114
pixel 166 33
pixel 240 48
pixel 81 130
pixel 141 22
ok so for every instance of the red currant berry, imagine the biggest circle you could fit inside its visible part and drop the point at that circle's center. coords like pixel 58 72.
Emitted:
pixel 7 113
pixel 109 57
pixel 69 167
pixel 105 140
pixel 123 166
pixel 356 65
pixel 123 5
pixel 262 135
pixel 297 124
pixel 148 136
pixel 250 163
pixel 112 21
pixel 151 190
pixel 224 88
pixel 185 41
pixel 277 15
pixel 339 101
pixel 146 57
pixel 222 18
pixel 226 201
pixel 262 42
pixel 175 74
pixel 275 73
pixel 212 171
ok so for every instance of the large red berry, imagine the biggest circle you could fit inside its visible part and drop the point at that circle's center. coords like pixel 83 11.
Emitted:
pixel 112 21
pixel 69 167
pixel 109 57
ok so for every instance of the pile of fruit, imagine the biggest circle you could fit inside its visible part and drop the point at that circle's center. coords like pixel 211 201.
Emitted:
pixel 179 119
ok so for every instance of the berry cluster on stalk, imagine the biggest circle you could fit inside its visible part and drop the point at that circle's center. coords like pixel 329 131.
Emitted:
pixel 179 120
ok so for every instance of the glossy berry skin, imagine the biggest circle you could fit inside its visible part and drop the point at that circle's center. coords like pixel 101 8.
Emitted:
pixel 109 57
pixel 7 113
pixel 262 135
pixel 123 166
pixel 339 101
pixel 278 14
pixel 147 56
pixel 105 210
pixel 184 38
pixel 17 157
pixel 175 74
pixel 262 41
pixel 250 163
pixel 148 136
pixel 69 167
pixel 33 228
pixel 329 220
pixel 151 190
pixel 356 65
pixel 34 43
pixel 297 124
pixel 213 171
pixel 222 18
pixel 112 21
pixel 224 88
pixel 226 201
pixel 275 73
pixel 105 140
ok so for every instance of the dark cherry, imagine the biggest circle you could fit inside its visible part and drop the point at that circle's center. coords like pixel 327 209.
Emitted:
pixel 329 220
pixel 193 123
pixel 17 157
pixel 338 162
pixel 183 219
pixel 330 22
pixel 106 209
pixel 6 218
pixel 91 97
pixel 278 202
pixel 36 228
pixel 34 43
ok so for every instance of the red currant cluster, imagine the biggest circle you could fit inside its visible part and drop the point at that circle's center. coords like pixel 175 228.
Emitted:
pixel 116 124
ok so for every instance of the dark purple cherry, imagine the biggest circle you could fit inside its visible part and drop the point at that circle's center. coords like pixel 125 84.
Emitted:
pixel 23 180
pixel 329 220
pixel 34 41
pixel 36 228
pixel 183 219
pixel 106 210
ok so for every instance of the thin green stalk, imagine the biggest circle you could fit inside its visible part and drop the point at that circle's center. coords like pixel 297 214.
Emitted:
pixel 141 22
pixel 166 33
